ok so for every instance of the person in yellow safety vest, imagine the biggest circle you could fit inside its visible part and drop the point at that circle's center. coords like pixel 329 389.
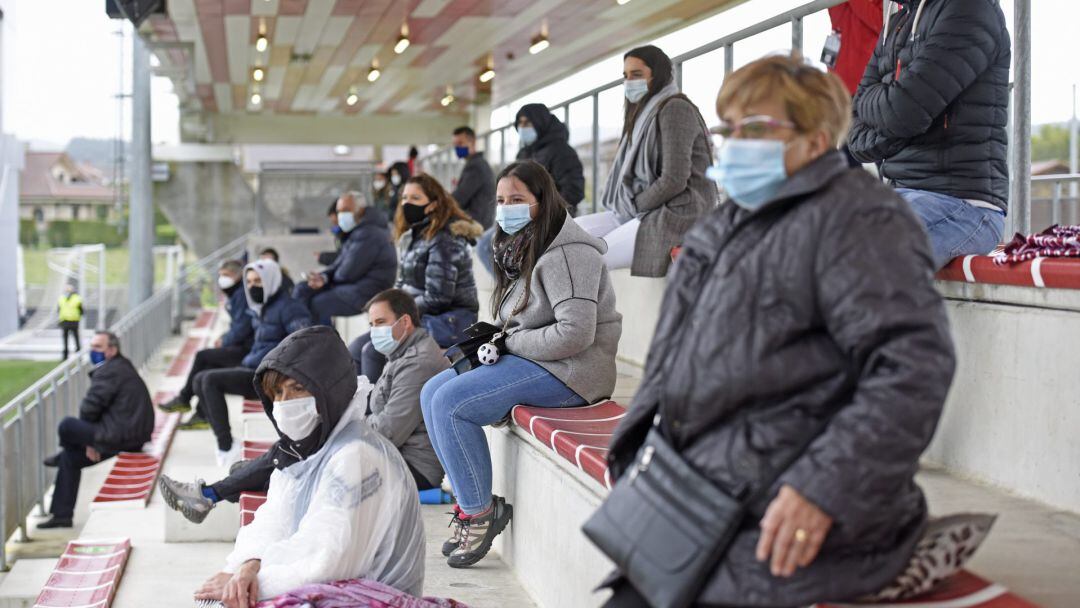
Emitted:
pixel 70 311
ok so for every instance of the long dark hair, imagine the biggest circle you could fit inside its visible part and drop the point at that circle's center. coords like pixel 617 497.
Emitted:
pixel 550 216
pixel 662 73
pixel 446 210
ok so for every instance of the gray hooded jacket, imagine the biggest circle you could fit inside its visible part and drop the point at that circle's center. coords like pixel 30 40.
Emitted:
pixel 569 326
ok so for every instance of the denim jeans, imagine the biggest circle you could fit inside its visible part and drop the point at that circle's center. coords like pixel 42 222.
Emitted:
pixel 955 227
pixel 456 407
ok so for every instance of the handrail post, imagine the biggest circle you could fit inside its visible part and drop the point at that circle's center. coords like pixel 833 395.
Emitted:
pixel 1020 138
pixel 729 59
pixel 595 152
pixel 797 34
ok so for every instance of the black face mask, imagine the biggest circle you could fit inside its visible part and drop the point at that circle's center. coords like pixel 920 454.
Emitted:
pixel 414 214
pixel 256 294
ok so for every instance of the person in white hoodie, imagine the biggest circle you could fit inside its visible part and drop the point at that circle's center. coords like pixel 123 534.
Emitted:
pixel 347 508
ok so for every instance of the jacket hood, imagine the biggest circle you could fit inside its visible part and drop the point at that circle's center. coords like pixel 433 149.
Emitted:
pixel 317 358
pixel 270 273
pixel 571 233
pixel 466 228
pixel 548 126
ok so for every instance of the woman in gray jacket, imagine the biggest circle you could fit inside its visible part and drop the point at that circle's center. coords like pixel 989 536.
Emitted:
pixel 556 306
pixel 656 188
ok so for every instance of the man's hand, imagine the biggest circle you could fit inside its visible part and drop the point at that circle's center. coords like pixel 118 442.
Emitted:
pixel 242 590
pixel 316 280
pixel 214 587
pixel 217 343
pixel 93 454
pixel 792 532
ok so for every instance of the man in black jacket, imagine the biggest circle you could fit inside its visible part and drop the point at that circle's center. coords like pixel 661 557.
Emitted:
pixel 365 265
pixel 932 110
pixel 475 191
pixel 228 350
pixel 115 416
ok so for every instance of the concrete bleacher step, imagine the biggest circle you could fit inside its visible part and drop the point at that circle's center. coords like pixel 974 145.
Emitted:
pixel 23 583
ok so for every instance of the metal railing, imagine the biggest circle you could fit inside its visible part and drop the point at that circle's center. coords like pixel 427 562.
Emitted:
pixel 445 167
pixel 28 422
pixel 1058 198
pixel 196 276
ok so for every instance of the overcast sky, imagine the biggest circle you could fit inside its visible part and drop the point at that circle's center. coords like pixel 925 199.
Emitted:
pixel 66 65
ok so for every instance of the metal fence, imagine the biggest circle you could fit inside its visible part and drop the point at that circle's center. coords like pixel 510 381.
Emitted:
pixel 28 422
pixel 445 166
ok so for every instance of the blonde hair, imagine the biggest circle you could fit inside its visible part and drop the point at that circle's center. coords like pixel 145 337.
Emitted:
pixel 814 100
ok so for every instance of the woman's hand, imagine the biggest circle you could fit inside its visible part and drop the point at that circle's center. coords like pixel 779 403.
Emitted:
pixel 214 587
pixel 242 590
pixel 792 532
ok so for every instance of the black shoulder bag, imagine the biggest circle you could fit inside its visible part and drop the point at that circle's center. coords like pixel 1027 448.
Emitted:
pixel 666 526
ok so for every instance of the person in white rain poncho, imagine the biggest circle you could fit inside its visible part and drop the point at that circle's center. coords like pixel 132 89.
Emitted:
pixel 347 509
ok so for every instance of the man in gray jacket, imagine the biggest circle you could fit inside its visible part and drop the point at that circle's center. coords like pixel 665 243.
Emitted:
pixel 413 358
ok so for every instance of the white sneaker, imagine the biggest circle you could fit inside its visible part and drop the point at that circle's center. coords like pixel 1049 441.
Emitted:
pixel 225 459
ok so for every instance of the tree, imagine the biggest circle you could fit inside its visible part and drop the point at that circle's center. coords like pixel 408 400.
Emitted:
pixel 1050 142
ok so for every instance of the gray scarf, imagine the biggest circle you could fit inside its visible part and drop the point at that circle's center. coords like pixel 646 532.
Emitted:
pixel 633 172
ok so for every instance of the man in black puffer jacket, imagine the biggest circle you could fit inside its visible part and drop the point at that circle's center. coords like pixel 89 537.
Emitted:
pixel 547 141
pixel 115 416
pixel 932 110
pixel 366 264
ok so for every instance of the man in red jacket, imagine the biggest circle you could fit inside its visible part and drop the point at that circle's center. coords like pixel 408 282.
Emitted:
pixel 858 23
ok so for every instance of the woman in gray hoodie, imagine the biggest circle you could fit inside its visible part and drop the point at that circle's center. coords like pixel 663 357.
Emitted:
pixel 556 307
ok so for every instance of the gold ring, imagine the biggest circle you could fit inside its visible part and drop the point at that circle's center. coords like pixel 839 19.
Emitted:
pixel 800 535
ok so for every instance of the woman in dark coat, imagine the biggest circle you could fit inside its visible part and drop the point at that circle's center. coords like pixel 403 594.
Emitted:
pixel 546 140
pixel 434 236
pixel 806 299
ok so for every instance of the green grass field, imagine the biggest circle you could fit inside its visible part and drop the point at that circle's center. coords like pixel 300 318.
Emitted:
pixel 35 262
pixel 17 374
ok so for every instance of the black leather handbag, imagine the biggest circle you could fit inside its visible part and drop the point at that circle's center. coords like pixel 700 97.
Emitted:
pixel 666 526
pixel 463 355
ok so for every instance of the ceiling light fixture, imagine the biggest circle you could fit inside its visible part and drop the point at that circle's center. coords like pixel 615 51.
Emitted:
pixel 489 70
pixel 622 2
pixel 256 99
pixel 352 98
pixel 258 74
pixel 540 41
pixel 403 39
pixel 374 73
pixel 449 97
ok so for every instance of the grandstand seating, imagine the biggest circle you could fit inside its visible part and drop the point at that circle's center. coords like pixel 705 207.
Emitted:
pixel 86 575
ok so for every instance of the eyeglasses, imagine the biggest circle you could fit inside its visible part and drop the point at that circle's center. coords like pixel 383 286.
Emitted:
pixel 752 127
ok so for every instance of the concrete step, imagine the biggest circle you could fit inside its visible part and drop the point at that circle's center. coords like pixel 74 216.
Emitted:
pixel 23 583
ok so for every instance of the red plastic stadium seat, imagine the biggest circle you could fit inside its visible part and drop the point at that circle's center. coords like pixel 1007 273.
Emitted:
pixel 249 504
pixel 1060 273
pixel 86 574
pixel 581 435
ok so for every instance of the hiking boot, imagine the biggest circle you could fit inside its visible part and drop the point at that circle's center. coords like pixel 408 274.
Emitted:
pixel 478 532
pixel 455 538
pixel 187 498
pixel 176 404
pixel 195 423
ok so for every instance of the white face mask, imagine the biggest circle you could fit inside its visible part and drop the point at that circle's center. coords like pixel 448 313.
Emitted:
pixel 379 184
pixel 296 418
pixel 395 179
pixel 635 90
pixel 225 282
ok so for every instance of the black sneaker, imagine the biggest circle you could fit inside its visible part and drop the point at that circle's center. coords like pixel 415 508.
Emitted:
pixel 478 532
pixel 195 423
pixel 55 522
pixel 455 538
pixel 187 498
pixel 52 461
pixel 176 404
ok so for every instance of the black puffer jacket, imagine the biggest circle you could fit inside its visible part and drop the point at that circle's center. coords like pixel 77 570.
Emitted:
pixel 437 272
pixel 552 149
pixel 932 107
pixel 119 403
pixel 367 261
pixel 819 306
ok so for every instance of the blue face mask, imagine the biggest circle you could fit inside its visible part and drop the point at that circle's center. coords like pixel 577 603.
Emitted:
pixel 528 135
pixel 97 357
pixel 382 338
pixel 335 229
pixel 512 218
pixel 461 151
pixel 346 221
pixel 635 90
pixel 751 171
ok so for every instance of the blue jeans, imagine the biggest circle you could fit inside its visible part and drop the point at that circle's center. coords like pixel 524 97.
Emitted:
pixel 484 250
pixel 456 407
pixel 955 228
